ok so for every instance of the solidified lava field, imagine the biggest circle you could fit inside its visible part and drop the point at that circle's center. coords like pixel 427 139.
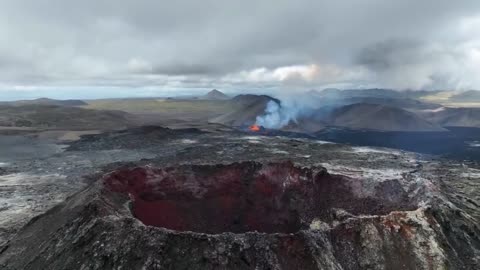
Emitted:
pixel 242 197
pixel 230 200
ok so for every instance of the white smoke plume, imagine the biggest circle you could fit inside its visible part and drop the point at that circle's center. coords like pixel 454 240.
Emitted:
pixel 291 109
pixel 275 116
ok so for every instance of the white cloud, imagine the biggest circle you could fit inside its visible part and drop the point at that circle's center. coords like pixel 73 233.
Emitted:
pixel 300 75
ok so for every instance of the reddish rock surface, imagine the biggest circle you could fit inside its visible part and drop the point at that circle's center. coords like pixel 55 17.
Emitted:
pixel 241 197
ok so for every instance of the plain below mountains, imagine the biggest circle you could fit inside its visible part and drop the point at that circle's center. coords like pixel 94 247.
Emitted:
pixel 61 117
pixel 47 101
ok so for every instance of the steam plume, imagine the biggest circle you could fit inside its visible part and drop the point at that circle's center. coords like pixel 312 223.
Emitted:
pixel 291 109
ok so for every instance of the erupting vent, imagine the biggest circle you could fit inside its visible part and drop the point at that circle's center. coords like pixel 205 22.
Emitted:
pixel 241 197
pixel 254 128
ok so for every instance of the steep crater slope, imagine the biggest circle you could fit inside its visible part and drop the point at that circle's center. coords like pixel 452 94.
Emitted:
pixel 246 197
pixel 248 107
pixel 246 215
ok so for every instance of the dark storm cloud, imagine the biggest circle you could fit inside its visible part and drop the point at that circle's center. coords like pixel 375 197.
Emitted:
pixel 236 43
pixel 414 64
pixel 387 54
pixel 186 69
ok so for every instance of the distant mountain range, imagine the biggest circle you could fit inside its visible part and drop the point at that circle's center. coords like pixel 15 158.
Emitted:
pixel 370 109
pixel 47 101
pixel 379 117
pixel 453 117
pixel 434 95
pixel 367 109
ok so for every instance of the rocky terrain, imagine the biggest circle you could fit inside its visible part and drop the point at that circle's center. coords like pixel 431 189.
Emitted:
pixel 79 191
pixel 217 198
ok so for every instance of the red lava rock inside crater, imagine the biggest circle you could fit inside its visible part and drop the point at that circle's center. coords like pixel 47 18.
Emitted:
pixel 241 197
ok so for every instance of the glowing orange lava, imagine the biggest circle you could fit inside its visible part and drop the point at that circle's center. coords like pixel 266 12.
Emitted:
pixel 254 128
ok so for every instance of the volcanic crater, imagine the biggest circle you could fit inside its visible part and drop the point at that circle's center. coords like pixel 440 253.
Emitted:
pixel 248 196
pixel 245 215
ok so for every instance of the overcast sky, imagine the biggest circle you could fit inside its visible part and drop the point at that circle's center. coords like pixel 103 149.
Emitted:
pixel 101 48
